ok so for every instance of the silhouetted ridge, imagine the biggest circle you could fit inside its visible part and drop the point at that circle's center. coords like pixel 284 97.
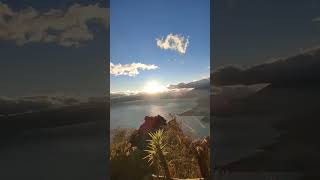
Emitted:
pixel 302 69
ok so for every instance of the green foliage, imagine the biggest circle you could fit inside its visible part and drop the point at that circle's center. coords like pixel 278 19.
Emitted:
pixel 156 141
pixel 156 153
pixel 179 153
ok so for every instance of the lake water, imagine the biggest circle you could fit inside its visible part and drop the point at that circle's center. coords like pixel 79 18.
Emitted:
pixel 131 114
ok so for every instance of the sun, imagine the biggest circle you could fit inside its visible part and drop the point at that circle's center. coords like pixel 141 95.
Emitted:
pixel 153 87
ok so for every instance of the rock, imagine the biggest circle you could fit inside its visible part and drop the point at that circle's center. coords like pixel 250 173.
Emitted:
pixel 151 124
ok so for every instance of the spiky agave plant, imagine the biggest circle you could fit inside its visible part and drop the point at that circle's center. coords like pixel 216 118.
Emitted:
pixel 156 153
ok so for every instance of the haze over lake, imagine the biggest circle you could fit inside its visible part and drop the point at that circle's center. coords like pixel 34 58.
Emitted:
pixel 131 114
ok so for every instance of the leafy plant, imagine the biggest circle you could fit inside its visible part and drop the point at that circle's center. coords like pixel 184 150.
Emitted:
pixel 156 152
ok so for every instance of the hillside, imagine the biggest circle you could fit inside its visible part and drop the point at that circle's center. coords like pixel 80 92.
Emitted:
pixel 183 156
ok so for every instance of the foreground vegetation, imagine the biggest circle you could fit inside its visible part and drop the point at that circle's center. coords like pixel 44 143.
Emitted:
pixel 162 153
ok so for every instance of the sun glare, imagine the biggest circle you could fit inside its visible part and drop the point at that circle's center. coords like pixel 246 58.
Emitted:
pixel 153 87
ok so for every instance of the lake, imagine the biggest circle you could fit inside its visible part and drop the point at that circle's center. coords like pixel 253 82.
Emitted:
pixel 131 114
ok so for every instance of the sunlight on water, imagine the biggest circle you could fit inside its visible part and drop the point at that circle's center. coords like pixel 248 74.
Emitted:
pixel 131 115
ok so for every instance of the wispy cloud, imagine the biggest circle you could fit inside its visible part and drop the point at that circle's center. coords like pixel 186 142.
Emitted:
pixel 173 42
pixel 65 27
pixel 130 69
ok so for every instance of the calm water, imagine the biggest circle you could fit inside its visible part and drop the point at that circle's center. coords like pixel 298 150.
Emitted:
pixel 131 114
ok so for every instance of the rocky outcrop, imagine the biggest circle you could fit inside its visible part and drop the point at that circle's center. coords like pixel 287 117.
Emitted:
pixel 150 124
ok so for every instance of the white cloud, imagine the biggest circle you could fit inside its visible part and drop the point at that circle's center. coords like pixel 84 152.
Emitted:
pixel 64 27
pixel 174 42
pixel 130 69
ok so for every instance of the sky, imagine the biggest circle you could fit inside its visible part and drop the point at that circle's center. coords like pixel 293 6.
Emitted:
pixel 166 41
pixel 56 47
pixel 58 59
pixel 250 32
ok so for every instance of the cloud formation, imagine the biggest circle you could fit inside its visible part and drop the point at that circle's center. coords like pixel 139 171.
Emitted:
pixel 296 70
pixel 65 27
pixel 199 84
pixel 196 89
pixel 130 69
pixel 174 42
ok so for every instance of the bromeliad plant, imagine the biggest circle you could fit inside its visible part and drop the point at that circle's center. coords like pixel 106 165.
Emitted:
pixel 156 153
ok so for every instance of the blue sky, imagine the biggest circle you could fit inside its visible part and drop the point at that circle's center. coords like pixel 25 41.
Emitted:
pixel 134 27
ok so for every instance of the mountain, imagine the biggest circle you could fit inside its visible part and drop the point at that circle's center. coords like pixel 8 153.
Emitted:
pixel 295 70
